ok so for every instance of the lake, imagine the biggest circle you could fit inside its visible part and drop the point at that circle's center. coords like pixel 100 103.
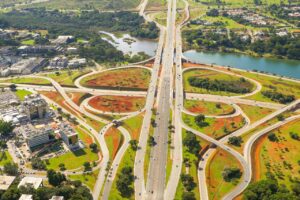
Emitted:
pixel 130 45
pixel 289 68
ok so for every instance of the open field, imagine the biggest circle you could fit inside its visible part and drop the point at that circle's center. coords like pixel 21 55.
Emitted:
pixel 272 83
pixel 133 125
pixel 117 104
pixel 66 78
pixel 255 113
pixel 114 140
pixel 27 80
pixel 21 94
pixel 87 179
pixel 281 157
pixel 208 108
pixel 217 186
pixel 5 157
pixel 73 160
pixel 29 42
pixel 130 78
pixel 212 75
pixel 156 5
pixel 248 134
pixel 78 97
pixel 216 128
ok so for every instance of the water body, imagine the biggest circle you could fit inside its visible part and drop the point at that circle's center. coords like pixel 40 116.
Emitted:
pixel 289 68
pixel 130 45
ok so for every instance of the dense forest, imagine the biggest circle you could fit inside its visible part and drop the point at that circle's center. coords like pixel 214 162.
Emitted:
pixel 81 24
pixel 285 46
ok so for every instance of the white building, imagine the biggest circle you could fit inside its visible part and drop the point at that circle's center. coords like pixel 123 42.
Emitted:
pixel 63 39
pixel 35 136
pixel 6 181
pixel 26 197
pixel 77 62
pixel 59 62
pixel 68 135
pixel 31 181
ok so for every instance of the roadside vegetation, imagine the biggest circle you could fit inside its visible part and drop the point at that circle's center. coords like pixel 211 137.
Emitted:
pixel 255 113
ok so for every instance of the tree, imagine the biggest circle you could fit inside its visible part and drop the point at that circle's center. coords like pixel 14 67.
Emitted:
pixel 188 182
pixel 200 120
pixel 6 128
pixel 12 193
pixel 94 147
pixel 151 141
pixel 294 136
pixel 188 196
pixel 125 179
pixel 87 166
pixel 55 178
pixel 192 144
pixel 12 87
pixel 11 169
pixel 231 173
pixel 37 163
pixel 134 145
pixel 272 137
pixel 234 140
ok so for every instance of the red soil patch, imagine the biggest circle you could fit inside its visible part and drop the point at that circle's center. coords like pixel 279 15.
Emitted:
pixel 116 138
pixel 255 159
pixel 187 65
pixel 117 104
pixel 126 78
pixel 76 97
pixel 197 109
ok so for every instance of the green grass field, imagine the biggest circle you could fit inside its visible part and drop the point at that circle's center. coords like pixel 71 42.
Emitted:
pixel 255 113
pixel 29 42
pixel 27 80
pixel 5 157
pixel 283 86
pixel 208 108
pixel 87 179
pixel 21 94
pixel 212 75
pixel 216 127
pixel 66 78
pixel 217 186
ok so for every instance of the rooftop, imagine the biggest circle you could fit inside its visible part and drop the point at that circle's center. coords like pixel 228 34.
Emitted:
pixel 26 197
pixel 33 181
pixel 6 181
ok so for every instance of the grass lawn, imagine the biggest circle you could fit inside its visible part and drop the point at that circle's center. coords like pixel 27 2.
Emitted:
pixel 28 42
pixel 255 113
pixel 208 108
pixel 87 179
pixel 27 80
pixel 217 186
pixel 73 160
pixel 21 94
pixel 212 75
pixel 67 77
pixel 216 127
pixel 133 125
pixel 117 104
pixel 283 86
pixel 130 78
pixel 281 158
pixel 114 140
pixel 5 157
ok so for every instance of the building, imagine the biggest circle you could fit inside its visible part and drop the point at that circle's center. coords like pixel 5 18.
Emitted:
pixel 57 198
pixel 36 49
pixel 26 197
pixel 25 66
pixel 77 62
pixel 68 135
pixel 6 181
pixel 35 106
pixel 63 39
pixel 31 181
pixel 59 62
pixel 35 135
